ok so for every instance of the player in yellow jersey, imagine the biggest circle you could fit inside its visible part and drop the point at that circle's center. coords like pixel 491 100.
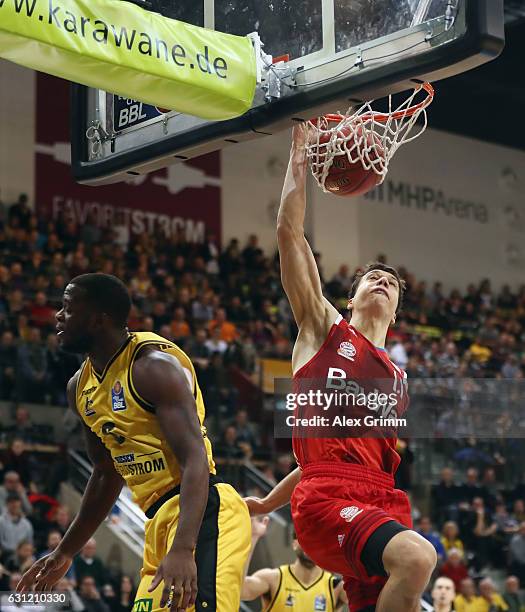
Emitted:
pixel 300 587
pixel 142 409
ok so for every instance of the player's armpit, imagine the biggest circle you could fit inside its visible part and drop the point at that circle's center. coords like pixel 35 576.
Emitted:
pixel 98 454
pixel 263 582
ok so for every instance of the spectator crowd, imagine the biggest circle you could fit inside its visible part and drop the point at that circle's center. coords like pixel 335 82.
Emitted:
pixel 226 308
pixel 477 528
pixel 31 526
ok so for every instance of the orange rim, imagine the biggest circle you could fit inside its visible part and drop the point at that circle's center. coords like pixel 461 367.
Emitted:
pixel 384 117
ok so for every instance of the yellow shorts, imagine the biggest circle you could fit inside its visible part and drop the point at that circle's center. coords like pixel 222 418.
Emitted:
pixel 222 549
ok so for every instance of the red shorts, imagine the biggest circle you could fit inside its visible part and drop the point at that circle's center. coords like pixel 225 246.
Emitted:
pixel 336 507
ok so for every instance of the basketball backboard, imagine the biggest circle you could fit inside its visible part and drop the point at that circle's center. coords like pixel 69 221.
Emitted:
pixel 337 53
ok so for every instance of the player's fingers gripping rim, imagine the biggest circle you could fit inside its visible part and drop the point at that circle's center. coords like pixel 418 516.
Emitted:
pixel 299 135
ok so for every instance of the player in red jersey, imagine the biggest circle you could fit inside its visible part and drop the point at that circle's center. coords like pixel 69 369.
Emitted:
pixel 348 517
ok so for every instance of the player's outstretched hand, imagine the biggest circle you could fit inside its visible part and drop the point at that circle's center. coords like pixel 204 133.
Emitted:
pixel 257 505
pixel 298 157
pixel 179 573
pixel 299 132
pixel 45 573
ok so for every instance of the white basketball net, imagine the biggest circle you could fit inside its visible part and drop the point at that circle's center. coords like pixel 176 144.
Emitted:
pixel 365 136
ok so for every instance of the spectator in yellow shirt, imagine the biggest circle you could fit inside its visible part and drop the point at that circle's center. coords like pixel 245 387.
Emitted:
pixel 449 537
pixel 492 601
pixel 467 600
pixel 479 351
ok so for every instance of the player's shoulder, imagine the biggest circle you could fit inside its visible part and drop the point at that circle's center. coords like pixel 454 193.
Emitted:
pixel 148 344
pixel 270 575
pixel 157 368
pixel 72 383
pixel 150 359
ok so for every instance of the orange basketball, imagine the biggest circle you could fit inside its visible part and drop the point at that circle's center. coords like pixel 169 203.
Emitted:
pixel 350 179
pixel 347 178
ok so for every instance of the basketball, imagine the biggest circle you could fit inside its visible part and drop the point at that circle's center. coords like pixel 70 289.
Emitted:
pixel 350 179
pixel 347 178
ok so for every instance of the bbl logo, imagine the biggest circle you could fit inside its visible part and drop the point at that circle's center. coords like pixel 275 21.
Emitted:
pixel 118 402
pixel 320 603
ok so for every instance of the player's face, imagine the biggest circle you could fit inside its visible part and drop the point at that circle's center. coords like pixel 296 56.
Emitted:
pixel 75 322
pixel 443 592
pixel 378 292
pixel 304 559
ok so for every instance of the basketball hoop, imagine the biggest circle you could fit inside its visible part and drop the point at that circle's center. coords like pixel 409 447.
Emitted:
pixel 366 136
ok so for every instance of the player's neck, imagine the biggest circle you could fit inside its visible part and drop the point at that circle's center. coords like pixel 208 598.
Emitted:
pixel 373 329
pixel 306 575
pixel 442 607
pixel 106 347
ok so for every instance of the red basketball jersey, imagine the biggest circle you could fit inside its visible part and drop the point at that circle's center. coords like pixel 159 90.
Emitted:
pixel 350 360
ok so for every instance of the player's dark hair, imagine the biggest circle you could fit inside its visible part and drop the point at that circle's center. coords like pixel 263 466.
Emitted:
pixel 377 265
pixel 107 294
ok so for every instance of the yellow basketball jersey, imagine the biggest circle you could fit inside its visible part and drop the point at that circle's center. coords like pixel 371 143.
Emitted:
pixel 292 596
pixel 125 422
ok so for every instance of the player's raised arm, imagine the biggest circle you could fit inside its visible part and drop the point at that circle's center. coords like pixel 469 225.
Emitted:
pixel 102 491
pixel 299 272
pixel 160 379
